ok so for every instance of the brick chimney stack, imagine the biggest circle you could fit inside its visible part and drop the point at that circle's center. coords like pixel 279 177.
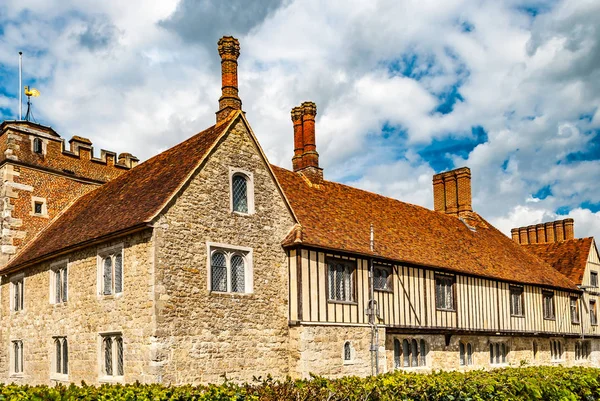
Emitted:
pixel 310 156
pixel 298 138
pixel 452 192
pixel 229 50
pixel 544 233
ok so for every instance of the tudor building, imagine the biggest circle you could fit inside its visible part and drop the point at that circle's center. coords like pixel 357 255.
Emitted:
pixel 207 260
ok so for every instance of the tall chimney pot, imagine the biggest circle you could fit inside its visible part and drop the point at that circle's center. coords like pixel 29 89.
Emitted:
pixel 229 50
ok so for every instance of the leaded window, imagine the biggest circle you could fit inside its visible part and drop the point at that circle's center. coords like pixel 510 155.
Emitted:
pixel 112 273
pixel 556 350
pixel 37 146
pixel 582 350
pixel 239 193
pixel 574 308
pixel 17 354
pixel 228 270
pixel 60 284
pixel 516 301
pixel 548 305
pixel 465 354
pixel 382 278
pixel 444 292
pixel 498 353
pixel 112 355
pixel 412 353
pixel 341 280
pixel 61 355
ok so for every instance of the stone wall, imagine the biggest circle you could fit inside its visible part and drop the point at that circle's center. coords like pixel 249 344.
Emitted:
pixel 83 317
pixel 203 335
pixel 320 350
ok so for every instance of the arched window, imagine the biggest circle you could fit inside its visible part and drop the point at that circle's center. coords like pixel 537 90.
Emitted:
pixel 61 355
pixel 423 353
pixel 415 353
pixel 37 146
pixel 397 353
pixel 108 356
pixel 119 341
pixel 535 349
pixel 491 354
pixel 461 353
pixel 239 193
pixel 406 352
pixel 347 351
pixel 58 346
pixel 497 353
pixel 504 352
pixel 469 354
pixel 577 351
pixel 237 273
pixel 218 272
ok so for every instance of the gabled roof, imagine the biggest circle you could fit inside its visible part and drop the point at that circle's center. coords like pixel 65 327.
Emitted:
pixel 568 257
pixel 131 200
pixel 338 217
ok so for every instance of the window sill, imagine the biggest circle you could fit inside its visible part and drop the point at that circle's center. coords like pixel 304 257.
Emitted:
pixel 333 301
pixel 111 379
pixel 577 323
pixel 17 375
pixel 519 316
pixel 44 216
pixel 231 294
pixel 389 291
pixel 351 362
pixel 242 214
pixel 550 318
pixel 110 296
pixel 59 304
pixel 445 309
pixel 59 377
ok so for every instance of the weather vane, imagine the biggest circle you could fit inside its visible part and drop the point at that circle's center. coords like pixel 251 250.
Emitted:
pixel 29 92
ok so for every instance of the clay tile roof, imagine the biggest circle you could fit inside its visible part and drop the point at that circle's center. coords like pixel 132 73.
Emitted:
pixel 338 217
pixel 568 257
pixel 128 201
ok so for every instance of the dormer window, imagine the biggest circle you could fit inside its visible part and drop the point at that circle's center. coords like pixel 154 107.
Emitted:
pixel 242 192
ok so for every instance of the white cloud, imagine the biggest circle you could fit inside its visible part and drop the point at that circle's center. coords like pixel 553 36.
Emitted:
pixel 124 75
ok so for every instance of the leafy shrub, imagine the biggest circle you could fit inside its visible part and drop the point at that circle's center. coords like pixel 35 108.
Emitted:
pixel 530 383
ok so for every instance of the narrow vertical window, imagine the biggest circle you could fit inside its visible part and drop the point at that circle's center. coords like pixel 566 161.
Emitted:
pixel 406 352
pixel 119 356
pixel 237 273
pixel 535 350
pixel 58 355
pixel 239 193
pixel 397 353
pixel 469 354
pixel 461 354
pixel 17 351
pixel 347 351
pixel 594 278
pixel 65 358
pixel 37 146
pixel 593 313
pixel 219 272
pixel 108 356
pixel 17 287
pixel 118 261
pixel 491 354
pixel 423 353
pixel 414 350
pixel 61 356
pixel 59 276
pixel 497 353
pixel 504 352
pixel 107 276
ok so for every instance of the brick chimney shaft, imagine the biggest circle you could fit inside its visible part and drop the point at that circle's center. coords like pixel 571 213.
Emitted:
pixel 310 156
pixel 541 233
pixel 559 230
pixel 229 50
pixel 514 233
pixel 298 139
pixel 452 191
pixel 569 229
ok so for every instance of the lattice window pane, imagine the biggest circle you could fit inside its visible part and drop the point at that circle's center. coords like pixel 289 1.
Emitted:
pixel 57 344
pixel 218 272
pixel 107 276
pixel 108 362
pixel 65 284
pixel 119 341
pixel 332 291
pixel 237 273
pixel 58 286
pixel 397 353
pixel 339 282
pixel 239 190
pixel 65 358
pixel 118 273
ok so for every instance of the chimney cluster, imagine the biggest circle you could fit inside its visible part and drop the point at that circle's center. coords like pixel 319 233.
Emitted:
pixel 452 192
pixel 306 158
pixel 229 50
pixel 544 233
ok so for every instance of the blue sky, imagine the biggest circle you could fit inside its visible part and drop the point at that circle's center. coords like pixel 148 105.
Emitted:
pixel 403 89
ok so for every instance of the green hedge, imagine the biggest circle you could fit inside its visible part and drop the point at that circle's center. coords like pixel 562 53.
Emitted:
pixel 531 383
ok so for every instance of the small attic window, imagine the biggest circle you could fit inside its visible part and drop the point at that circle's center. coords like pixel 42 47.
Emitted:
pixel 37 146
pixel 38 207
